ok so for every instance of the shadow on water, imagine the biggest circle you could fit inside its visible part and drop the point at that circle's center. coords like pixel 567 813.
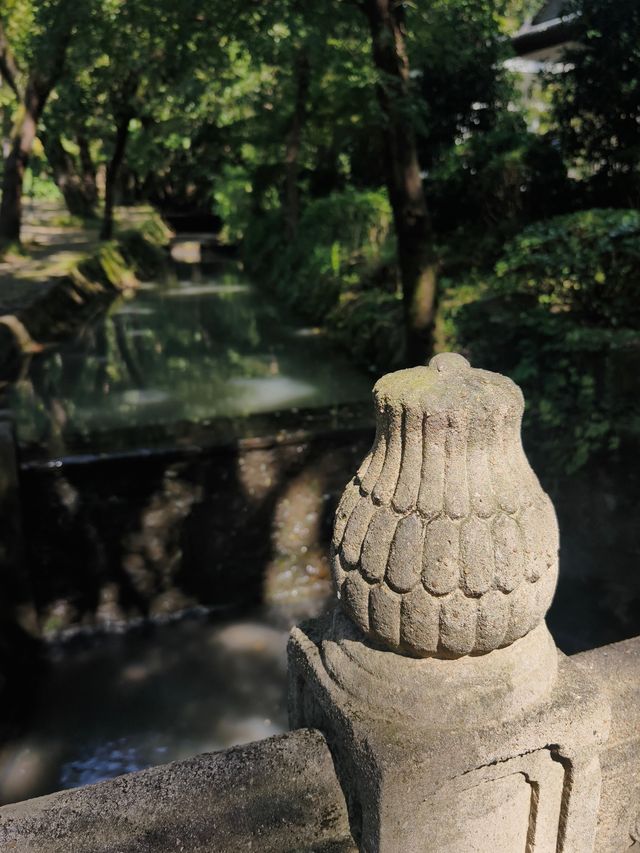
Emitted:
pixel 113 540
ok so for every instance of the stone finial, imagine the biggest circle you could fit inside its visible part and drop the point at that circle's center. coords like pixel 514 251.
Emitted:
pixel 444 542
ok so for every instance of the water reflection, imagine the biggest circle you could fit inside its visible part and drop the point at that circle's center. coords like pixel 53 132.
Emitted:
pixel 124 703
pixel 186 352
pixel 186 289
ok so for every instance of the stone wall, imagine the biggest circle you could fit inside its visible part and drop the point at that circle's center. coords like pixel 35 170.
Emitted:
pixel 158 532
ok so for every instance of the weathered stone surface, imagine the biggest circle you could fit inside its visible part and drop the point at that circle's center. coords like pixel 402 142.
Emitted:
pixel 493 754
pixel 447 487
pixel 617 668
pixel 277 795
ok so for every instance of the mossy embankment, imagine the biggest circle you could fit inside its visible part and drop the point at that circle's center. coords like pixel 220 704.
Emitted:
pixel 64 275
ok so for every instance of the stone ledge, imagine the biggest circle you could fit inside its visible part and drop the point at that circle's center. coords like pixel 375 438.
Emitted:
pixel 40 308
pixel 276 795
pixel 617 668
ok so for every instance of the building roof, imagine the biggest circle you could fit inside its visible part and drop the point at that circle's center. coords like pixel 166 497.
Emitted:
pixel 546 34
pixel 551 10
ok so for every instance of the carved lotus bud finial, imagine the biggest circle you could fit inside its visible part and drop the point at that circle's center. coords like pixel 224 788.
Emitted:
pixel 444 542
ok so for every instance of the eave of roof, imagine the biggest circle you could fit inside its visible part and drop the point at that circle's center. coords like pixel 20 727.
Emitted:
pixel 535 37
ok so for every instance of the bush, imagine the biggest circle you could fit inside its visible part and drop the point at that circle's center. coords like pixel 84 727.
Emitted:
pixel 340 269
pixel 370 325
pixel 559 317
pixel 492 184
pixel 587 263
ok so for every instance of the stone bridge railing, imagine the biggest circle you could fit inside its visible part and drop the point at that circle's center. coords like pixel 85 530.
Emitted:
pixel 431 710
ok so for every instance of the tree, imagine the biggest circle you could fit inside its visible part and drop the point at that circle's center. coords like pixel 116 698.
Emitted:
pixel 416 257
pixel 302 73
pixel 31 70
pixel 456 53
pixel 133 57
pixel 65 135
pixel 596 101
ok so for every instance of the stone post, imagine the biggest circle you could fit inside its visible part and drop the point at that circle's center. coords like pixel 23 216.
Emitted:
pixel 454 721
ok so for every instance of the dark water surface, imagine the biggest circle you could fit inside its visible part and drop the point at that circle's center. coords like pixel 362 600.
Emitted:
pixel 116 704
pixel 184 368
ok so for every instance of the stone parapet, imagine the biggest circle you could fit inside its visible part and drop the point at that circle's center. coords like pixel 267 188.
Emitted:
pixel 279 795
pixel 282 794
pixel 617 669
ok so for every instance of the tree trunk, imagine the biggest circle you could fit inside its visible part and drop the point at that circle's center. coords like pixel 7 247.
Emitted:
pixel 87 170
pixel 113 169
pixel 22 139
pixel 302 74
pixel 416 259
pixel 75 180
pixel 33 100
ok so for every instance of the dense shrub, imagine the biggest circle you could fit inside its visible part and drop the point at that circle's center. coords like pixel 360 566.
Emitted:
pixel 560 317
pixel 587 263
pixel 497 182
pixel 340 269
pixel 596 101
pixel 369 324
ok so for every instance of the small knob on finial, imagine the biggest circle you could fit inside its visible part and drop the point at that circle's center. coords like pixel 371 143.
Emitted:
pixel 449 362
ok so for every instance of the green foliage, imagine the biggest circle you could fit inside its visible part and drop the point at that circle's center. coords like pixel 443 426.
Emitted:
pixel 339 270
pixel 40 186
pixel 497 181
pixel 560 317
pixel 233 202
pixel 369 325
pixel 597 100
pixel 586 263
pixel 35 29
pixel 457 48
pixel 106 268
pixel 146 259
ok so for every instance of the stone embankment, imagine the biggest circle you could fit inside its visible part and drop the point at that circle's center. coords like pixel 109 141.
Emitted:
pixel 65 275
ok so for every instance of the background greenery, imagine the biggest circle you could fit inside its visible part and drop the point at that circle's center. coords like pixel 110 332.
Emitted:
pixel 262 120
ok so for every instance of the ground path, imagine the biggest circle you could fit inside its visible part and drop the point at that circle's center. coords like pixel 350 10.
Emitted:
pixel 53 242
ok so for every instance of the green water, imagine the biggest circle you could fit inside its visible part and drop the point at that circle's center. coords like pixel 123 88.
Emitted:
pixel 201 361
pixel 210 349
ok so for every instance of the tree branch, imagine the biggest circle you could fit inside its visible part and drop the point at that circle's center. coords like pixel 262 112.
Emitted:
pixel 9 70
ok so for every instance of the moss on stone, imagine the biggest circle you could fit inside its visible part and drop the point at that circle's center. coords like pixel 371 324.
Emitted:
pixel 56 302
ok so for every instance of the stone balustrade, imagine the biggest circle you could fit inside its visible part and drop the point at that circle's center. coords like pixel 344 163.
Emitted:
pixel 275 795
pixel 431 709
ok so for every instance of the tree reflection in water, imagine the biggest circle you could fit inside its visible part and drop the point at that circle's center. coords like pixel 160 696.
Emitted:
pixel 178 353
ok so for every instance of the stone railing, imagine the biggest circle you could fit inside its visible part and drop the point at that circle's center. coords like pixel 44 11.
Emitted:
pixel 431 709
